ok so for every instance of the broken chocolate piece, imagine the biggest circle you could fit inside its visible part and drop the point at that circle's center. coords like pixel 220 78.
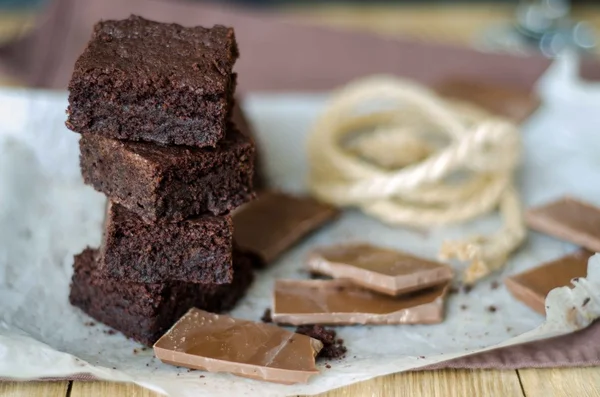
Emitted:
pixel 532 287
pixel 219 343
pixel 568 219
pixel 332 347
pixel 513 103
pixel 269 225
pixel 379 269
pixel 299 302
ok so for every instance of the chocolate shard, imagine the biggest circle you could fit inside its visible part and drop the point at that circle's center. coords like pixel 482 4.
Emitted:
pixel 514 103
pixel 532 287
pixel 568 219
pixel 379 269
pixel 275 221
pixel 218 343
pixel 299 302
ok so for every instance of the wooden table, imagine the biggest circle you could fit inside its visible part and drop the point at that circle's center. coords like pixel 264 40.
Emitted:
pixel 456 24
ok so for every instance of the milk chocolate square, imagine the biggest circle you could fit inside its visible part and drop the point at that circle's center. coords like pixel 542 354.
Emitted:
pixel 532 287
pixel 379 269
pixel 275 221
pixel 219 343
pixel 340 302
pixel 568 219
pixel 514 103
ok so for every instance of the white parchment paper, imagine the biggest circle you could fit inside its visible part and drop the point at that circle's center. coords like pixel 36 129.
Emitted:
pixel 47 215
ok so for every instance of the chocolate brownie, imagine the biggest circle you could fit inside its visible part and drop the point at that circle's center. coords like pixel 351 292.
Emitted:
pixel 196 250
pixel 147 81
pixel 145 311
pixel 170 183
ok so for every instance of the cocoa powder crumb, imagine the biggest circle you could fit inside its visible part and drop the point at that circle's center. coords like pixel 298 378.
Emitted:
pixel 266 317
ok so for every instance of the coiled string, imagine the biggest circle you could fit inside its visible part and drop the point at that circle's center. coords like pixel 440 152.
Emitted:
pixel 407 157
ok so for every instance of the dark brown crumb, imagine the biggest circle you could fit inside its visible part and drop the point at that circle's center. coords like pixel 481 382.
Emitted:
pixel 576 279
pixel 266 317
pixel 492 309
pixel 110 331
pixel 177 374
pixel 585 302
pixel 463 307
pixel 135 351
pixel 89 323
pixel 201 376
pixel 317 276
pixel 332 347
pixel 114 367
pixel 508 329
pixel 147 365
pixel 327 366
pixel 454 290
pixel 467 288
pixel 421 356
pixel 143 348
pixel 495 285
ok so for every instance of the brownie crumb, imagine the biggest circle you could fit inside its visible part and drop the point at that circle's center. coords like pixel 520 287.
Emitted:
pixel 147 365
pixel 135 351
pixel 114 367
pixel 89 323
pixel 467 288
pixel 508 329
pixel 421 356
pixel 463 307
pixel 495 285
pixel 110 331
pixel 454 290
pixel 317 276
pixel 143 348
pixel 585 302
pixel 576 279
pixel 492 309
pixel 266 317
pixel 327 366
pixel 332 347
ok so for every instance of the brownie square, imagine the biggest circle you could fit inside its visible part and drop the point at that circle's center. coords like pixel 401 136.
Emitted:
pixel 144 312
pixel 196 250
pixel 147 81
pixel 170 183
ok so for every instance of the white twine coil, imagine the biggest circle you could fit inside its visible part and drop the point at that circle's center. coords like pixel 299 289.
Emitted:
pixel 386 162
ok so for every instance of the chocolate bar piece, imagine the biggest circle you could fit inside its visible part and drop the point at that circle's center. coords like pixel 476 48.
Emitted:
pixel 379 269
pixel 532 287
pixel 142 311
pixel 275 221
pixel 218 343
pixel 514 103
pixel 170 183
pixel 568 219
pixel 340 302
pixel 148 81
pixel 196 250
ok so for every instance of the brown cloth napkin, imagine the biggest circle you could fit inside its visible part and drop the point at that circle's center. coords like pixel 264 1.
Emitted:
pixel 280 54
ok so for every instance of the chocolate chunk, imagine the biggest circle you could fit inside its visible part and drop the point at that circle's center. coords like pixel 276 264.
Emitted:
pixel 170 183
pixel 299 302
pixel 157 82
pixel 532 287
pixel 274 222
pixel 266 317
pixel 511 102
pixel 379 269
pixel 144 312
pixel 332 348
pixel 218 343
pixel 196 250
pixel 568 219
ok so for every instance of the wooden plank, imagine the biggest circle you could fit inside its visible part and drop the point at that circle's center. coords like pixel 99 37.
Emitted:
pixel 447 383
pixel 37 389
pixel 102 389
pixel 558 382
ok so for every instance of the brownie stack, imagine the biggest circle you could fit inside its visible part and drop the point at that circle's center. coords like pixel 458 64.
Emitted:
pixel 153 105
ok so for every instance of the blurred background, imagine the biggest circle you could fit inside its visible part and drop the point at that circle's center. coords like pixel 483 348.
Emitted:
pixel 500 25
